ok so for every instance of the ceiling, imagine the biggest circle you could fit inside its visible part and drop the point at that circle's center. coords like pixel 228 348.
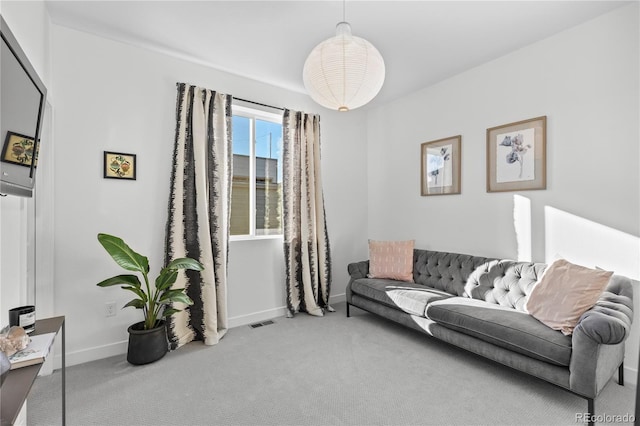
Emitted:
pixel 422 42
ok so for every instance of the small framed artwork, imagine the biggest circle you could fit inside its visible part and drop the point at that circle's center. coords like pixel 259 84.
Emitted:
pixel 516 156
pixel 18 149
pixel 440 166
pixel 118 165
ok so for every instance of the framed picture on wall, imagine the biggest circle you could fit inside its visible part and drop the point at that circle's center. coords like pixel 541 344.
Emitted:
pixel 118 165
pixel 440 166
pixel 516 156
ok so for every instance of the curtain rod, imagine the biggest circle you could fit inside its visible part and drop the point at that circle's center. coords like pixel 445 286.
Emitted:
pixel 251 102
pixel 258 103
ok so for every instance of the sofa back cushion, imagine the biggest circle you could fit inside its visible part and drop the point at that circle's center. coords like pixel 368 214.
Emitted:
pixel 506 283
pixel 445 271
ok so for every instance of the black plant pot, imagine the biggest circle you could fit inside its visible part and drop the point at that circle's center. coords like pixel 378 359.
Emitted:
pixel 146 346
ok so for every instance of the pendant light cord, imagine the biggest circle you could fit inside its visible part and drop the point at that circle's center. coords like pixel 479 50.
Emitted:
pixel 343 10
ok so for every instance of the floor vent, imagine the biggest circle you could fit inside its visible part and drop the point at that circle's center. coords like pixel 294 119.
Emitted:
pixel 260 324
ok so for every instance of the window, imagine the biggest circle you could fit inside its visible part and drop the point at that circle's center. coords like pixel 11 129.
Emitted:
pixel 256 198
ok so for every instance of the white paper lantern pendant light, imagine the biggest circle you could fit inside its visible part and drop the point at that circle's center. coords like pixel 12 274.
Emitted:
pixel 344 72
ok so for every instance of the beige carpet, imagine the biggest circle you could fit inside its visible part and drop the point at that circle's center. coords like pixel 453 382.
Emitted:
pixel 332 370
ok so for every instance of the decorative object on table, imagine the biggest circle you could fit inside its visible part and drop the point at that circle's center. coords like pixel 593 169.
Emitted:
pixel 118 165
pixel 23 316
pixel 148 338
pixel 344 72
pixel 13 339
pixel 18 149
pixel 35 352
pixel 516 156
pixel 440 166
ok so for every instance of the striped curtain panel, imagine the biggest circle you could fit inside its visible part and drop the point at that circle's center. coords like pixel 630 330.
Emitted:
pixel 199 207
pixel 306 243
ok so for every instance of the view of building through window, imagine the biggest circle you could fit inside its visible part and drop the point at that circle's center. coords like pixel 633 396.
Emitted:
pixel 256 200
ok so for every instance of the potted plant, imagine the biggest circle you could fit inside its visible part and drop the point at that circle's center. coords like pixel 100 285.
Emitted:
pixel 148 338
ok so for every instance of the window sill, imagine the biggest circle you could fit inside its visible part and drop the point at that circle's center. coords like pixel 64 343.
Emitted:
pixel 233 238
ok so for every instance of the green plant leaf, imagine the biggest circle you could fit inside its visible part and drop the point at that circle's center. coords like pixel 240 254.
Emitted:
pixel 170 311
pixel 166 279
pixel 120 279
pixel 136 303
pixel 185 263
pixel 168 295
pixel 124 255
pixel 176 295
pixel 138 291
pixel 182 298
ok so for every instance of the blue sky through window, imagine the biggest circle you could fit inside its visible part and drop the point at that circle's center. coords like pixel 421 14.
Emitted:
pixel 268 137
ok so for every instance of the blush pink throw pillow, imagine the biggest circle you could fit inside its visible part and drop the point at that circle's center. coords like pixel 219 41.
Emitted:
pixel 564 292
pixel 391 259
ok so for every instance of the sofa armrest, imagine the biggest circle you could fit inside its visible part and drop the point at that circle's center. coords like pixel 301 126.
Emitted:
pixel 597 344
pixel 358 269
pixel 609 321
pixel 606 325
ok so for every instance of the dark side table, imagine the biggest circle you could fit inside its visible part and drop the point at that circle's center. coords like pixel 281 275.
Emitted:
pixel 17 384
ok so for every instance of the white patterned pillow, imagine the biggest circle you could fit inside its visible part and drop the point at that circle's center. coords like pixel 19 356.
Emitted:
pixel 564 292
pixel 391 259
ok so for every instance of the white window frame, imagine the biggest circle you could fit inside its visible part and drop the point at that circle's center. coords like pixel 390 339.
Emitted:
pixel 242 109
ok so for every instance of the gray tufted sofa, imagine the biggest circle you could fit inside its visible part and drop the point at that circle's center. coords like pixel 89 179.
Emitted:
pixel 477 304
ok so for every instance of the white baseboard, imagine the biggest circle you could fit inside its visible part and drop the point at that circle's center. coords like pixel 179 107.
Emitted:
pixel 630 376
pixel 247 319
pixel 92 354
pixel 120 348
pixel 338 298
pixel 242 320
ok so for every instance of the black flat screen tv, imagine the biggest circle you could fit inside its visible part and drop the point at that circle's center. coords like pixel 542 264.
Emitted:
pixel 22 105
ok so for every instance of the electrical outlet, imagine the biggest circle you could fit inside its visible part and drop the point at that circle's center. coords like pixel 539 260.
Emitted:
pixel 110 309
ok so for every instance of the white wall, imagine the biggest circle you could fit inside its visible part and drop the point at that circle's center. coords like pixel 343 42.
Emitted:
pixel 30 24
pixel 585 80
pixel 113 96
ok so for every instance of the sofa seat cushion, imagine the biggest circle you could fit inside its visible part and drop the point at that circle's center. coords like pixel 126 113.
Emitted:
pixel 408 297
pixel 505 327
